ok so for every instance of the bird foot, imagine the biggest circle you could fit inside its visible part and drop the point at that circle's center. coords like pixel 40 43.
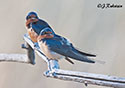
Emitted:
pixel 36 45
pixel 50 73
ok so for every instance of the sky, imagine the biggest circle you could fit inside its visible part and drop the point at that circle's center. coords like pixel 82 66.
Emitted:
pixel 89 28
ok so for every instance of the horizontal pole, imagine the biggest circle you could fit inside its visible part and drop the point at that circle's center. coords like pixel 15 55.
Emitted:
pixel 90 78
pixel 21 58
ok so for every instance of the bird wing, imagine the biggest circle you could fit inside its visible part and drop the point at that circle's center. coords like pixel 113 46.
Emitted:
pixel 63 47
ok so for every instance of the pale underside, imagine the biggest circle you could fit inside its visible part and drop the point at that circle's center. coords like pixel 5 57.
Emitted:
pixel 50 54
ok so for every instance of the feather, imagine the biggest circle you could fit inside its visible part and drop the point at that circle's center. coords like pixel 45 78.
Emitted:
pixel 69 60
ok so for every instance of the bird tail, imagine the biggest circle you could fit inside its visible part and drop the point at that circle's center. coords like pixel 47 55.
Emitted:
pixel 86 56
pixel 78 56
pixel 97 61
pixel 92 57
pixel 69 60
pixel 89 55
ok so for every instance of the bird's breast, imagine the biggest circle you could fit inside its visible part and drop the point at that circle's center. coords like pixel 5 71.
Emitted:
pixel 32 35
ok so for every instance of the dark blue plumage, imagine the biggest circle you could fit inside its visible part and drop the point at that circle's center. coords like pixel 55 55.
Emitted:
pixel 39 25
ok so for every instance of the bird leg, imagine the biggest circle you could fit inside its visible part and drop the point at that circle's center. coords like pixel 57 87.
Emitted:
pixel 52 66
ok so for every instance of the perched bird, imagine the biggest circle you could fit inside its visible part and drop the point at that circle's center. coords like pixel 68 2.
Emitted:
pixel 57 47
pixel 34 26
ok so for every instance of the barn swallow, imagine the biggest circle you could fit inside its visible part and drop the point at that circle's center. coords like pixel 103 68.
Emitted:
pixel 57 47
pixel 34 26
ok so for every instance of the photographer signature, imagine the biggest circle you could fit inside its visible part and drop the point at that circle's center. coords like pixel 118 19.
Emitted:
pixel 108 5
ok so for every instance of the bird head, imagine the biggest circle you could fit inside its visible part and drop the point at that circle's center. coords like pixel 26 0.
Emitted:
pixel 46 33
pixel 32 16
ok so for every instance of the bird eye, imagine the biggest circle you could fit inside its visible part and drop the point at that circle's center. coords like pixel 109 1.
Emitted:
pixel 31 17
pixel 44 33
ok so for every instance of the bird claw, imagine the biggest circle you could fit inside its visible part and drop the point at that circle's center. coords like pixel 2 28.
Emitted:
pixel 49 73
pixel 35 45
